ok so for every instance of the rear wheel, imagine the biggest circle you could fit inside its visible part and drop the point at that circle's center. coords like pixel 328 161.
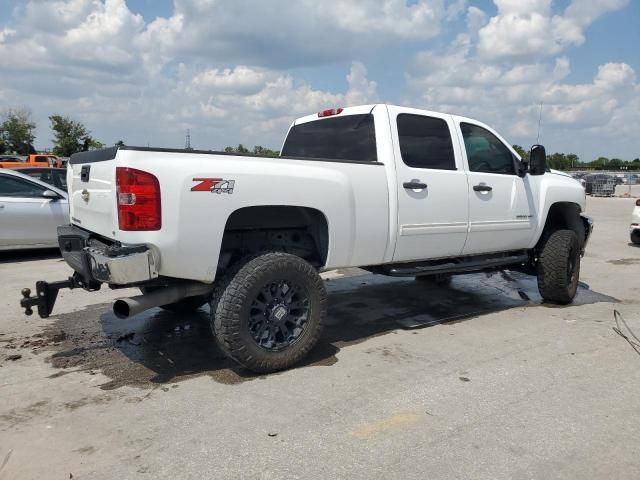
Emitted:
pixel 559 267
pixel 267 313
pixel 186 305
pixel 635 236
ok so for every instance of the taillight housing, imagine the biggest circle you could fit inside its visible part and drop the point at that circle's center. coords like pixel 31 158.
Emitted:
pixel 331 112
pixel 138 196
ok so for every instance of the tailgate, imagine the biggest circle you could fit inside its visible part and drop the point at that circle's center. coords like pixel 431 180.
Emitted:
pixel 91 180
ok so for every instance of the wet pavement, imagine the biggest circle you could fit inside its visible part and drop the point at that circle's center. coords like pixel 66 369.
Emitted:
pixel 160 347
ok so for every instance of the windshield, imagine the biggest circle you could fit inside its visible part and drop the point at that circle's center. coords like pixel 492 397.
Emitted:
pixel 351 137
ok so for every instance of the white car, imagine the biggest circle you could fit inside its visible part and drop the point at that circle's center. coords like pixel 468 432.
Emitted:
pixel 395 190
pixel 30 212
pixel 635 223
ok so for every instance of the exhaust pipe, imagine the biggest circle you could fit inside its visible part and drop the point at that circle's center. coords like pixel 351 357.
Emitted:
pixel 128 307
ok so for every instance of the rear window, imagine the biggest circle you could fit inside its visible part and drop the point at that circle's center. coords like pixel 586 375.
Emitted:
pixel 425 142
pixel 351 137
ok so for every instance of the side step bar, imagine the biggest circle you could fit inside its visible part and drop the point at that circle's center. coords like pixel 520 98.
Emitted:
pixel 454 265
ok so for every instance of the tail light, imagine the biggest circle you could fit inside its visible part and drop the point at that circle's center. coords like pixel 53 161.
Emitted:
pixel 139 205
pixel 331 112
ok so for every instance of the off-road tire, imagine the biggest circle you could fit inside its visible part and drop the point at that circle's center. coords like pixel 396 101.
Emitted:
pixel 231 303
pixel 186 305
pixel 635 236
pixel 559 267
pixel 439 279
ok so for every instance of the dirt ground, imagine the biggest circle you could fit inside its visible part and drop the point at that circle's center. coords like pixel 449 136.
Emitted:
pixel 477 379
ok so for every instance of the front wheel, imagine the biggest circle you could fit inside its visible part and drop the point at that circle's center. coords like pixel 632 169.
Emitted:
pixel 559 267
pixel 635 236
pixel 267 313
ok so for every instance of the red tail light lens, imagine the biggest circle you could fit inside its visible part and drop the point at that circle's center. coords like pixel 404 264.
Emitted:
pixel 139 206
pixel 331 112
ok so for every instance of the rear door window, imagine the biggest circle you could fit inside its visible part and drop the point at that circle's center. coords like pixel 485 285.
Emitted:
pixel 425 142
pixel 351 137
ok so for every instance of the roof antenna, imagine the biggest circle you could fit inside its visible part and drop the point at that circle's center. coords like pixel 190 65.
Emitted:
pixel 539 122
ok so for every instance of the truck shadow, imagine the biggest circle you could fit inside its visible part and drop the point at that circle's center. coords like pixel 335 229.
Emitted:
pixel 160 347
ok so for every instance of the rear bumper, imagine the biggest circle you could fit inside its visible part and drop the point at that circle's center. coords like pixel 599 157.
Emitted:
pixel 95 261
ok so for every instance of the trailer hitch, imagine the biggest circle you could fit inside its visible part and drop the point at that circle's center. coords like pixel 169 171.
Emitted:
pixel 47 293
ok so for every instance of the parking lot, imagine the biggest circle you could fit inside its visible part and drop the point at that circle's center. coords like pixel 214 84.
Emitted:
pixel 474 380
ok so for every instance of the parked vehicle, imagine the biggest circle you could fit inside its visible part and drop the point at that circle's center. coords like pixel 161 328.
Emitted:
pixel 397 191
pixel 30 212
pixel 7 160
pixel 600 184
pixel 34 160
pixel 635 224
pixel 52 176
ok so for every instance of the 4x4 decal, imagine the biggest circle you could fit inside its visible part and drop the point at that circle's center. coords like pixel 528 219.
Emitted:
pixel 213 185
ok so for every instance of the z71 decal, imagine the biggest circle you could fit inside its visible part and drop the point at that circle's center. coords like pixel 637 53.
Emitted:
pixel 213 185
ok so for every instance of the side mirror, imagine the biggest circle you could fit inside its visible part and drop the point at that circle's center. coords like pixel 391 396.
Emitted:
pixel 537 160
pixel 50 194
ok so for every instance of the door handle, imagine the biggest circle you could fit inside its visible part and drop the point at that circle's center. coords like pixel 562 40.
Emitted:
pixel 482 188
pixel 414 185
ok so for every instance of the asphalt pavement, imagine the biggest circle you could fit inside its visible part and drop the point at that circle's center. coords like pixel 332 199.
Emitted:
pixel 474 380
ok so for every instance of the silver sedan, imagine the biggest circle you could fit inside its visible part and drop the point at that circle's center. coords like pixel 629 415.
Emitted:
pixel 30 212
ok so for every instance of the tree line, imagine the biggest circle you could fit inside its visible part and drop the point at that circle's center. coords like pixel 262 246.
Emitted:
pixel 257 150
pixel 571 161
pixel 17 134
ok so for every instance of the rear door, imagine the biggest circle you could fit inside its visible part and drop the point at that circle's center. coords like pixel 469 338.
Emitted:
pixel 502 213
pixel 432 186
pixel 26 218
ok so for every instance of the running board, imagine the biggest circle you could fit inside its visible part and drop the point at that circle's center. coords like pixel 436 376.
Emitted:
pixel 470 263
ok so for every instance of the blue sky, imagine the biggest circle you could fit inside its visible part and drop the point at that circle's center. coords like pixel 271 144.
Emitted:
pixel 146 70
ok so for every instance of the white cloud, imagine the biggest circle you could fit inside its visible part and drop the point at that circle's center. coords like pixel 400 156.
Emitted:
pixel 228 70
pixel 528 27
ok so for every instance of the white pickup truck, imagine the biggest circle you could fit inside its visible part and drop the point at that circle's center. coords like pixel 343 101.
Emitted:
pixel 396 191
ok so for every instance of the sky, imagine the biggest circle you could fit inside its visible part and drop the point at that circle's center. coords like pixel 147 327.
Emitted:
pixel 240 71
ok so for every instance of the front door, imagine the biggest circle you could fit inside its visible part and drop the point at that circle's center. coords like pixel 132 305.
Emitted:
pixel 432 186
pixel 26 218
pixel 502 213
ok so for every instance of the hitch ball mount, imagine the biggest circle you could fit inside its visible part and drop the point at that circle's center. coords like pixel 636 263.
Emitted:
pixel 47 293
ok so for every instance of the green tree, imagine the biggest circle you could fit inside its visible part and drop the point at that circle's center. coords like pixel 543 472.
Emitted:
pixel 573 160
pixel 522 152
pixel 266 152
pixel 558 161
pixel 17 131
pixel 71 136
pixel 241 149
